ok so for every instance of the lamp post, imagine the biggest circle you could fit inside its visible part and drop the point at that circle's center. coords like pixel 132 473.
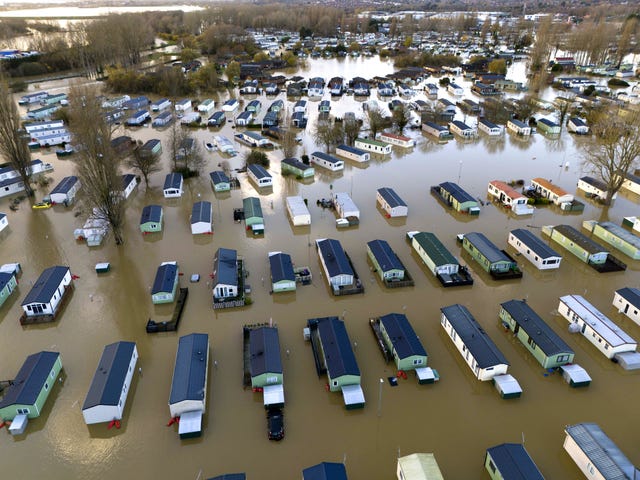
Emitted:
pixel 380 398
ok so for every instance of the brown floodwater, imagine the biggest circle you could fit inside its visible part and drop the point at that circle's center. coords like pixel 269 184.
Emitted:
pixel 457 418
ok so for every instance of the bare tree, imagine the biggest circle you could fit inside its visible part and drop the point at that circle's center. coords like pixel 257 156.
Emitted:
pixel 323 134
pixel 144 162
pixel 14 145
pixel 351 128
pixel 97 162
pixel 376 119
pixel 288 141
pixel 400 118
pixel 613 150
pixel 629 31
pixel 564 107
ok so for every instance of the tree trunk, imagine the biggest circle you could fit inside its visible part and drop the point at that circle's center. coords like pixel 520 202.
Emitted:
pixel 609 197
pixel 117 235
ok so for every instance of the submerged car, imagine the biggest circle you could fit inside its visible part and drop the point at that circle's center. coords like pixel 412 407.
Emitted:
pixel 275 424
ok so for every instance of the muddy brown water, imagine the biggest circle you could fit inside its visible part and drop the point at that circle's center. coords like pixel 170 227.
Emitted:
pixel 457 418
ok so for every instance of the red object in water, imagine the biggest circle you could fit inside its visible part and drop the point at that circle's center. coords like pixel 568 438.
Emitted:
pixel 177 419
pixel 1 424
pixel 118 424
pixel 75 277
pixel 171 422
pixel 180 274
pixel 111 424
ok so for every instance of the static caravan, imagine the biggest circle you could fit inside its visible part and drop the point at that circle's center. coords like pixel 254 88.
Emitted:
pixel 455 197
pixel 65 192
pixel 335 264
pixel 254 106
pixel 494 261
pixel 244 119
pixel 438 131
pixel 201 218
pixel 260 176
pixel 327 161
pixel 397 140
pixel 418 466
pixel 345 207
pixel 632 183
pixel 616 236
pixel 510 461
pixel 8 284
pixel 577 125
pixel 117 102
pixel 535 334
pixel 107 395
pixel 462 129
pixel 385 261
pixel 598 329
pixel 54 98
pixel 391 202
pixel 400 338
pixel 549 127
pixel 596 455
pixel 336 86
pixel 151 219
pixel 271 119
pixel 265 364
pixel 374 146
pixel 160 105
pixel 43 112
pixel 151 147
pixel 551 191
pixel 217 119
pixel 385 89
pixel 510 197
pixel 50 140
pixel 225 274
pixel 518 127
pixel 353 153
pixel 129 183
pixel 484 89
pixel 172 185
pixel 35 97
pixel 489 128
pixel 136 103
pixel 446 107
pixel 188 397
pixel 534 249
pixel 4 222
pixel 206 106
pixel 249 87
pixel 297 168
pixel 298 211
pixel 594 188
pixel 325 471
pixel 162 120
pixel 182 105
pixel 47 292
pixel 455 89
pixel 444 266
pixel 27 394
pixel 11 182
pixel 431 89
pixel 138 118
pixel 253 217
pixel 230 105
pixel 324 106
pixel 627 301
pixel 220 181
pixel 476 348
pixel 165 284
pixel 224 145
pixel 276 106
pixel 283 278
pixel 191 117
pixel 577 243
pixel 34 128
pixel 300 107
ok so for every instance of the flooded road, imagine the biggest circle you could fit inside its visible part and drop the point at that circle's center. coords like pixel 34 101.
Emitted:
pixel 456 419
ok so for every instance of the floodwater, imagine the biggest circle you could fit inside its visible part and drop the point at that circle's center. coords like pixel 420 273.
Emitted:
pixel 457 418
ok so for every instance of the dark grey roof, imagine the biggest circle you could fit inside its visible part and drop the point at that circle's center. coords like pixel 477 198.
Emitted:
pixel 537 329
pixel 435 126
pixel 435 249
pixel 5 278
pixel 631 295
pixel 577 122
pixel 513 462
pixel 107 383
pixel 457 192
pixel 385 256
pixel 30 379
pixel 295 163
pixel 350 149
pixel 252 207
pixel 230 476
pixel 518 123
pixel 486 247
pixel 65 185
pixel 151 144
pixel 336 347
pixel 473 336
pixel 225 267
pixel 602 452
pixel 281 267
pixel 151 213
pixel 264 351
pixel 165 278
pixel 547 122
pixel 258 170
pixel 487 123
pixel 127 178
pixel 190 370
pixel 325 471
pixel 391 197
pixel 10 168
pixel 461 125
pixel 218 176
pixel 581 240
pixel 201 212
pixel 46 285
pixel 404 339
pixel 621 233
pixel 173 180
pixel 535 243
pixel 334 257
pixel 594 182
pixel 326 157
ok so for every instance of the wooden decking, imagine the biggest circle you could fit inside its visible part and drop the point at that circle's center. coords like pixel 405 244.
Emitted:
pixel 406 282
pixel 47 318
pixel 613 264
pixel 315 346
pixel 172 325
pixel 463 277
pixel 374 323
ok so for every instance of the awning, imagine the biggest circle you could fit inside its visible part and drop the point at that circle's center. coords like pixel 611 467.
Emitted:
pixel 575 374
pixel 273 395
pixel 352 395
pixel 426 375
pixel 507 385
pixel 18 424
pixel 190 423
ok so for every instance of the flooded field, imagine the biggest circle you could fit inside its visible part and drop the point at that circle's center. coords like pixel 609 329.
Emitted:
pixel 456 418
